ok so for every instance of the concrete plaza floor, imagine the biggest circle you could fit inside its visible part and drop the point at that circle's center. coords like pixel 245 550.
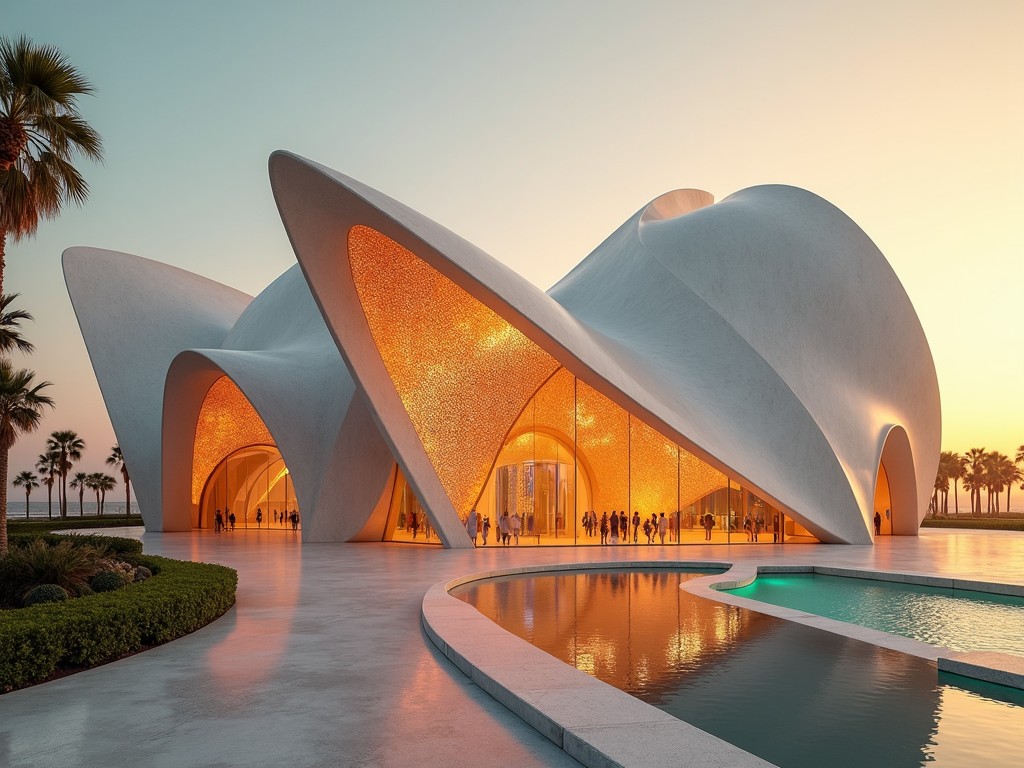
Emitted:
pixel 323 660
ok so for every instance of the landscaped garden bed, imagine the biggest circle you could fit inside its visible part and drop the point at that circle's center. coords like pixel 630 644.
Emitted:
pixel 74 602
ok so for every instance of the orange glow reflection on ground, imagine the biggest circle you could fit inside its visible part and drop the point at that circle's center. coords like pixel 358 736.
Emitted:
pixel 462 372
pixel 227 421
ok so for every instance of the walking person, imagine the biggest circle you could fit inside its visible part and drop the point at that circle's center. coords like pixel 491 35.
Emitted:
pixel 259 516
pixel 614 522
pixel 604 528
pixel 662 527
pixel 487 528
pixel 414 523
pixel 709 522
pixel 218 522
pixel 624 526
pixel 503 528
pixel 471 525
pixel 515 525
pixel 636 524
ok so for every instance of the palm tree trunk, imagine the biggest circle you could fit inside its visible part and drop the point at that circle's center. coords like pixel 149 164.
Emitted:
pixel 956 500
pixel 27 493
pixel 3 268
pixel 1008 497
pixel 127 493
pixel 103 500
pixel 64 494
pixel 3 486
pixel 81 504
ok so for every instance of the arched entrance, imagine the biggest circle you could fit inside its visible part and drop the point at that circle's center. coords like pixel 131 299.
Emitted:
pixel 254 484
pixel 895 499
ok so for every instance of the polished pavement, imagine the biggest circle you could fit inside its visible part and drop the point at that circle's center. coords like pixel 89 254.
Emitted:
pixel 323 660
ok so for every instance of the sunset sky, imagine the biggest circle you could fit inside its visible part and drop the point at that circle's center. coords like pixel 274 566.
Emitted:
pixel 533 129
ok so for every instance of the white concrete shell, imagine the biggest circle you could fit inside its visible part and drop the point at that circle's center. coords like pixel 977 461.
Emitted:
pixel 174 334
pixel 766 334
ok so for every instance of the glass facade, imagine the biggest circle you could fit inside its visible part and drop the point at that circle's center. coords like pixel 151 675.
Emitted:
pixel 253 485
pixel 542 456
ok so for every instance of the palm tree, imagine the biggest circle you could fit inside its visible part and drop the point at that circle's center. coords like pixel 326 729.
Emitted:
pixel 104 483
pixel 78 481
pixel 974 477
pixel 1012 474
pixel 28 481
pixel 93 482
pixel 116 460
pixel 41 132
pixel 10 326
pixel 21 410
pixel 1019 458
pixel 46 465
pixel 956 471
pixel 69 446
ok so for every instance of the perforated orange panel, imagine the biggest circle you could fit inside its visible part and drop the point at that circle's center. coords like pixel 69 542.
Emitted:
pixel 462 372
pixel 227 422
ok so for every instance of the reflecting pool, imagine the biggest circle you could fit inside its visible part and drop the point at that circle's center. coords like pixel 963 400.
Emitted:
pixel 959 619
pixel 794 695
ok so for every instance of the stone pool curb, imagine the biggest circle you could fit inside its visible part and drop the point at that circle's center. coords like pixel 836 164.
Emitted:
pixel 593 722
pixel 1002 668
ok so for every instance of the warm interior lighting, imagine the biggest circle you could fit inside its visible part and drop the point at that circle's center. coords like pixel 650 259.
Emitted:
pixel 227 422
pixel 462 372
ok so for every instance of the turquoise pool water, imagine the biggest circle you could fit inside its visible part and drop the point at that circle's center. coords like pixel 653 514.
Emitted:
pixel 956 619
pixel 796 696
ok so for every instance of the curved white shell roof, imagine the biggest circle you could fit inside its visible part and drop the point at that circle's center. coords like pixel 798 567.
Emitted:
pixel 765 333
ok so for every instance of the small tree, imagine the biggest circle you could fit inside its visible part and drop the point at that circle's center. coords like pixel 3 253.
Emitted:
pixel 28 481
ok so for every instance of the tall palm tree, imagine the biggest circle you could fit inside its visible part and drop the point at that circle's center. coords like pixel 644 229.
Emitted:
pixel 46 466
pixel 116 460
pixel 78 481
pixel 69 446
pixel 104 483
pixel 93 482
pixel 10 326
pixel 27 480
pixel 956 471
pixel 1019 458
pixel 21 410
pixel 974 477
pixel 41 132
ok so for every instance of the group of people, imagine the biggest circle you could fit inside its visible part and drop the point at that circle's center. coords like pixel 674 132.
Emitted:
pixel 226 521
pixel 479 526
pixel 754 526
pixel 415 522
pixel 222 522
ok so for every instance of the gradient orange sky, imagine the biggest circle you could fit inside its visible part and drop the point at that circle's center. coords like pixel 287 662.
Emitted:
pixel 534 129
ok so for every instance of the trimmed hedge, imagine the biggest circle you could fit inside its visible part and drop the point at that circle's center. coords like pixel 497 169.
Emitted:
pixel 44 525
pixel 38 642
pixel 979 523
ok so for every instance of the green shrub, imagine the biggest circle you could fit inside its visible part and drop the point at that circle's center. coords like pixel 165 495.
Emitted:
pixel 115 545
pixel 106 581
pixel 70 565
pixel 46 593
pixel 35 642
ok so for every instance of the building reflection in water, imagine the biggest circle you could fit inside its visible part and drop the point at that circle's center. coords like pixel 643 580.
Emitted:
pixel 794 695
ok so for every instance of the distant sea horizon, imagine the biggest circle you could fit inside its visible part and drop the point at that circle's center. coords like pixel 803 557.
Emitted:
pixel 37 510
